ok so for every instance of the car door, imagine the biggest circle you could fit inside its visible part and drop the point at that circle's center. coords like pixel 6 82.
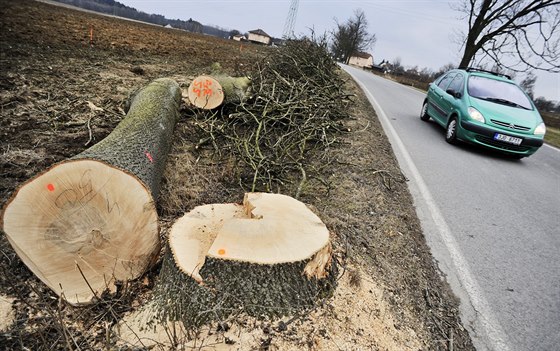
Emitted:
pixel 436 103
pixel 451 100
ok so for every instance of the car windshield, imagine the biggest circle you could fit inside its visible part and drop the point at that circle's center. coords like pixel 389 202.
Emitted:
pixel 498 91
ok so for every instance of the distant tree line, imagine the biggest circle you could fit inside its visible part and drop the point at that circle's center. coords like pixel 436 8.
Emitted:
pixel 115 8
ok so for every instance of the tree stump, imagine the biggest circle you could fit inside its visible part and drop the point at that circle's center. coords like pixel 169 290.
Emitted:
pixel 210 92
pixel 91 220
pixel 270 256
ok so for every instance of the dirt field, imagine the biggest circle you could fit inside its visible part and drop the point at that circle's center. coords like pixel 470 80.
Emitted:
pixel 60 95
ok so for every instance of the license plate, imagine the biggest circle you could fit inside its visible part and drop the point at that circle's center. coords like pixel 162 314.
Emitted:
pixel 508 139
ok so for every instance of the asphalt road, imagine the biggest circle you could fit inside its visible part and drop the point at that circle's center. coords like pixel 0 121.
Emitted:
pixel 492 222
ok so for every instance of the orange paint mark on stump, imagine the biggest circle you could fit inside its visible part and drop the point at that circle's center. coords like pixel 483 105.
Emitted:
pixel 221 252
pixel 50 187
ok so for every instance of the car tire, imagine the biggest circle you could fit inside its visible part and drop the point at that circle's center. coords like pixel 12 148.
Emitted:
pixel 451 131
pixel 424 113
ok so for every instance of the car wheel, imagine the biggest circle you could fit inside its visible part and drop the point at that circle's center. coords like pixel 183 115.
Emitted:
pixel 424 113
pixel 451 132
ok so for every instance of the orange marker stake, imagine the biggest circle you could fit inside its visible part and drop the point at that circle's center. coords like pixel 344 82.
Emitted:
pixel 91 36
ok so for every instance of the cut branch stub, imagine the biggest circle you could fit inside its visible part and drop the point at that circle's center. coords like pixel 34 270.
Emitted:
pixel 90 221
pixel 205 92
pixel 210 92
pixel 271 255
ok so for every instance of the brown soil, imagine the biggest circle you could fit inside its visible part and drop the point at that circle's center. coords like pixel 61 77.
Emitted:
pixel 59 95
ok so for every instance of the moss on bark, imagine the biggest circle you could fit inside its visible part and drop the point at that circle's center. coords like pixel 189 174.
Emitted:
pixel 142 140
pixel 233 287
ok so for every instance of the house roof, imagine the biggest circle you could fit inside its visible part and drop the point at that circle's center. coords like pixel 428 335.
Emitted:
pixel 363 55
pixel 259 32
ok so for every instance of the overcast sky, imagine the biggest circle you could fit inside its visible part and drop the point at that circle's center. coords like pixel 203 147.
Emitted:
pixel 419 32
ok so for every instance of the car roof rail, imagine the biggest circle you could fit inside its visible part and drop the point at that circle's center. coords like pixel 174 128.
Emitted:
pixel 474 69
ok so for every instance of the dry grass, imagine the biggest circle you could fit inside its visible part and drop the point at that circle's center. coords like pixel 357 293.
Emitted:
pixel 552 136
pixel 552 121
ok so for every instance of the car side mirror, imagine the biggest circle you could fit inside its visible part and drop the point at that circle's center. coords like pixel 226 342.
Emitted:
pixel 454 93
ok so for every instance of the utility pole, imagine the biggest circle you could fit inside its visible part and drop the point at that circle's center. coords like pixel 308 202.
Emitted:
pixel 291 20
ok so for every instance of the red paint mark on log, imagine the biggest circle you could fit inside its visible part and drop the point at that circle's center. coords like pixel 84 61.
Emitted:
pixel 149 156
pixel 50 187
pixel 221 252
pixel 202 88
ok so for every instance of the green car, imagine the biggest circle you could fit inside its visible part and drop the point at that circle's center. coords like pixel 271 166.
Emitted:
pixel 485 108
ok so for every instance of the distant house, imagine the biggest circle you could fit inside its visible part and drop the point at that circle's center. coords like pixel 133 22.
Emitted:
pixel 259 36
pixel 168 26
pixel 239 37
pixel 277 41
pixel 361 59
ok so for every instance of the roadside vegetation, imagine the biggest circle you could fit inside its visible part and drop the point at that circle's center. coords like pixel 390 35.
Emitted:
pixel 552 121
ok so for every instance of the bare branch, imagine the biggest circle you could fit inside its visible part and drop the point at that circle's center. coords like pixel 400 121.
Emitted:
pixel 519 35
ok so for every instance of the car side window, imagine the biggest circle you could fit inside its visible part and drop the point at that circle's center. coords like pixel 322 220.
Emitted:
pixel 445 81
pixel 457 83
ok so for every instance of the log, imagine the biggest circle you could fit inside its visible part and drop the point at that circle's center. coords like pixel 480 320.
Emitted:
pixel 91 220
pixel 270 256
pixel 208 92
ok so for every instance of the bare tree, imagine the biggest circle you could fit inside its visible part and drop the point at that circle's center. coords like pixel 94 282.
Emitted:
pixel 396 66
pixel 351 36
pixel 444 69
pixel 514 34
pixel 528 84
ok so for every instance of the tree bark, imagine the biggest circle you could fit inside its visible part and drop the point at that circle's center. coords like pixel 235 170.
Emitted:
pixel 270 256
pixel 91 220
pixel 475 29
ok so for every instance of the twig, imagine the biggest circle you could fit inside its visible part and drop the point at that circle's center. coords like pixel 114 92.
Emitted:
pixel 89 130
pixel 85 279
pixel 302 182
pixel 296 107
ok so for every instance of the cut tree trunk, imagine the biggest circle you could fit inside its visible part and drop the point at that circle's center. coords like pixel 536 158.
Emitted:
pixel 91 220
pixel 270 256
pixel 210 92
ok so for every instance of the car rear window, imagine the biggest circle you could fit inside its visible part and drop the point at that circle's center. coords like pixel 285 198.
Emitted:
pixel 498 91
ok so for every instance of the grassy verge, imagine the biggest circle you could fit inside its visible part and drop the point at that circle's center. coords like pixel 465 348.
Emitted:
pixel 552 121
pixel 552 136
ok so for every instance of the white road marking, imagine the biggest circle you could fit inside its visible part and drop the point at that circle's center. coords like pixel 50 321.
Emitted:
pixel 484 315
pixel 552 147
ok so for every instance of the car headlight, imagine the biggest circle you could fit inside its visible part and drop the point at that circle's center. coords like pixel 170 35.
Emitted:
pixel 540 130
pixel 476 115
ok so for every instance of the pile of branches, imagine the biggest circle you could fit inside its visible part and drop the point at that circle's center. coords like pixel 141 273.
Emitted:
pixel 295 110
